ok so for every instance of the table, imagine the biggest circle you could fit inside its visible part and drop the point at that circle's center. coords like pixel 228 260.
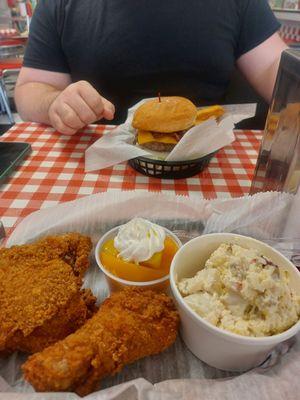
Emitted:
pixel 54 172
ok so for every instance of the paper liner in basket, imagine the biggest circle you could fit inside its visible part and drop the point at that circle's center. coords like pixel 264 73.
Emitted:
pixel 118 145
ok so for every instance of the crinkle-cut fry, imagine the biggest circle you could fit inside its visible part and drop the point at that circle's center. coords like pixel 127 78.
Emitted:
pixel 129 325
pixel 208 112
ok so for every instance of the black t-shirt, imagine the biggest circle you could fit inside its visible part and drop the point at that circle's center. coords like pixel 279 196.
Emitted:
pixel 134 49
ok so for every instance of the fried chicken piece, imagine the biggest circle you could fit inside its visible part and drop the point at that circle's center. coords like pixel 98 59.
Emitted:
pixel 129 325
pixel 40 297
pixel 73 248
pixel 40 303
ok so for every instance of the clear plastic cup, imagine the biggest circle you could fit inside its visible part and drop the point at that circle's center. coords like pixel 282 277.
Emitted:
pixel 115 283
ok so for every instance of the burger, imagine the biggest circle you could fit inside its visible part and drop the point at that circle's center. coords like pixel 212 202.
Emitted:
pixel 162 122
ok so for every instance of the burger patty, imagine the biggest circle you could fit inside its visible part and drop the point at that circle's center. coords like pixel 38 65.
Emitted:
pixel 160 146
pixel 177 135
pixel 157 146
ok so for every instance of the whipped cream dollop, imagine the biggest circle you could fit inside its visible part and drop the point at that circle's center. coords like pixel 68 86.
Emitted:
pixel 139 239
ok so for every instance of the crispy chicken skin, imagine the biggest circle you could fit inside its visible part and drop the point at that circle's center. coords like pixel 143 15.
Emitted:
pixel 129 325
pixel 40 297
pixel 73 248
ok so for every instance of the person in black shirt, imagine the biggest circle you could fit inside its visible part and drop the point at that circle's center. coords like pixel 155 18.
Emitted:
pixel 93 59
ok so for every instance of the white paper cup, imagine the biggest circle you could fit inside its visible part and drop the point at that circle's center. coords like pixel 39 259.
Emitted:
pixel 115 283
pixel 218 347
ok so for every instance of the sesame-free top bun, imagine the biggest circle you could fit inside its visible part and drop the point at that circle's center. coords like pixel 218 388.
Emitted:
pixel 170 114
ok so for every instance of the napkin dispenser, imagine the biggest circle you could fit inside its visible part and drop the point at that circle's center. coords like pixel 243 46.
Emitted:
pixel 278 163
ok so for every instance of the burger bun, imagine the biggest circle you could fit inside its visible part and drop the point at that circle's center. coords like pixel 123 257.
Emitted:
pixel 165 115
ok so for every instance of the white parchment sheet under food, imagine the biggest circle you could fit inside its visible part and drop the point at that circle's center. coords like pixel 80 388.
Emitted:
pixel 175 373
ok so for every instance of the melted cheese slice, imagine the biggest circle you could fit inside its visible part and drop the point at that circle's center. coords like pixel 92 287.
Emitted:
pixel 147 137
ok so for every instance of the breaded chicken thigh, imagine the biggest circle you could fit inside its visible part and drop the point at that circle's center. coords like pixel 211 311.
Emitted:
pixel 40 297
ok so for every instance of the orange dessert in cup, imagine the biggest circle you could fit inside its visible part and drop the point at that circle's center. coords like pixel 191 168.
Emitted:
pixel 138 253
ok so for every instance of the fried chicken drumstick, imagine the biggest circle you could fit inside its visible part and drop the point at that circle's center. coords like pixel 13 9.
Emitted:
pixel 129 325
pixel 40 297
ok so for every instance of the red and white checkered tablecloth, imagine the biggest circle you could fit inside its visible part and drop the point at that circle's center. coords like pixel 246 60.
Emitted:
pixel 54 172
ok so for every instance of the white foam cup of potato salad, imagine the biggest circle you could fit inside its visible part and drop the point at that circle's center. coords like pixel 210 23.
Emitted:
pixel 237 297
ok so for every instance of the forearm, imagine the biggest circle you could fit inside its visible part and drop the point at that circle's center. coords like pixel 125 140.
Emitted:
pixel 51 98
pixel 264 80
pixel 260 65
pixel 33 100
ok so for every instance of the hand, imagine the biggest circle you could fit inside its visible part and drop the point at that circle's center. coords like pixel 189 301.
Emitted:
pixel 77 106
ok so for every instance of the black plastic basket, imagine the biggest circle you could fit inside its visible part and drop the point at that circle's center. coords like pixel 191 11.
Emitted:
pixel 170 169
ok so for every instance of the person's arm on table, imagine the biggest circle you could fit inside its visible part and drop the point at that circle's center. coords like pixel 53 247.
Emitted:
pixel 44 91
pixel 260 65
pixel 50 98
